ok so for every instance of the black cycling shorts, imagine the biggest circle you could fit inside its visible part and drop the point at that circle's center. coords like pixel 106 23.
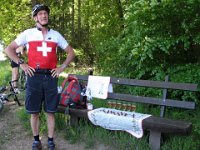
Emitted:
pixel 13 64
pixel 41 90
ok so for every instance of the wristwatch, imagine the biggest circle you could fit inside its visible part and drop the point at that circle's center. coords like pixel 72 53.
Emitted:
pixel 21 61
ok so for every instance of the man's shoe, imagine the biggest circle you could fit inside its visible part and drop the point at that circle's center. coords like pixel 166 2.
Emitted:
pixel 37 145
pixel 51 145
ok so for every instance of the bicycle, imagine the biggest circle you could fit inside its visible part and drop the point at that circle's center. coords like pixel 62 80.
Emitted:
pixel 4 98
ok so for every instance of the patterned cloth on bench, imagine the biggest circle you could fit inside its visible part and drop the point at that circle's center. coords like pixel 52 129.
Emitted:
pixel 113 119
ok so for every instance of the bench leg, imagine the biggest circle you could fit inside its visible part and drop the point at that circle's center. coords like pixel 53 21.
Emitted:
pixel 155 140
pixel 74 120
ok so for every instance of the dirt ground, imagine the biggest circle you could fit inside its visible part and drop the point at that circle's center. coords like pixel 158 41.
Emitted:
pixel 14 137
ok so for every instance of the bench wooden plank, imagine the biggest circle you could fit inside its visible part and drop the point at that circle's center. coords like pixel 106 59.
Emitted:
pixel 150 100
pixel 155 84
pixel 166 125
pixel 81 77
pixel 148 83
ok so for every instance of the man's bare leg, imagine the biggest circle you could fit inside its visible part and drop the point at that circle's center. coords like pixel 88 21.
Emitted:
pixel 51 127
pixel 50 124
pixel 35 122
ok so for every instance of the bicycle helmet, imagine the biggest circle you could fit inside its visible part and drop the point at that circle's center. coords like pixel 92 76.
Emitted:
pixel 39 7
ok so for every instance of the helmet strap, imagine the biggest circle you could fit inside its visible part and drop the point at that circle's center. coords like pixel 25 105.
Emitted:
pixel 43 25
pixel 40 29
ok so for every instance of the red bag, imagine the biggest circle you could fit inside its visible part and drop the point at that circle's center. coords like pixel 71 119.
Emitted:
pixel 73 93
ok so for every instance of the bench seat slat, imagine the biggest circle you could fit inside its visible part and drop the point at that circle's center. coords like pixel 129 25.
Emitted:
pixel 81 77
pixel 163 125
pixel 150 100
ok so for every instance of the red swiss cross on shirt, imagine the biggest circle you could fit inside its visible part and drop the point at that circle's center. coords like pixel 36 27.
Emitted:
pixel 42 54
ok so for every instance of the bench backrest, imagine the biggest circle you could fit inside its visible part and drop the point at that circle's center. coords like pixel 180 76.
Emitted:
pixel 165 85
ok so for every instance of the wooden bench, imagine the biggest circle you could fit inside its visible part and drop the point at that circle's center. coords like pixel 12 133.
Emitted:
pixel 155 124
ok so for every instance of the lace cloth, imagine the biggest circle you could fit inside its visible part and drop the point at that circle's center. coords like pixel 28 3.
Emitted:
pixel 114 119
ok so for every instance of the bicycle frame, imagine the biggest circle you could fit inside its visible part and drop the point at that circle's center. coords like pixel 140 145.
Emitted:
pixel 5 97
pixel 2 98
pixel 1 105
pixel 13 93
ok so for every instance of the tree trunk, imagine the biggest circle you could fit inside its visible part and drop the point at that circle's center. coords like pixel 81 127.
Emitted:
pixel 72 18
pixel 79 22
pixel 120 13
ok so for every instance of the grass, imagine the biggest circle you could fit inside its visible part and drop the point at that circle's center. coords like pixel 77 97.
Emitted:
pixel 5 73
pixel 24 118
pixel 93 135
pixel 115 139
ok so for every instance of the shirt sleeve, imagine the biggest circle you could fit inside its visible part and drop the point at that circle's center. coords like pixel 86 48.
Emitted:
pixel 62 43
pixel 21 39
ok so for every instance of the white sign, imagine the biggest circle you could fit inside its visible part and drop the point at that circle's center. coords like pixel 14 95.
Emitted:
pixel 97 87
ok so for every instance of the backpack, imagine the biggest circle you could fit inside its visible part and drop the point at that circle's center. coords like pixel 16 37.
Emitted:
pixel 73 93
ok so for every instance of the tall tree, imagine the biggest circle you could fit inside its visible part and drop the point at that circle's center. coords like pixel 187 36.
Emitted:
pixel 73 20
pixel 79 22
pixel 120 12
pixel 15 17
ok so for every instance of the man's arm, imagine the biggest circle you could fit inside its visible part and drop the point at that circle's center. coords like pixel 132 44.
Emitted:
pixel 70 56
pixel 10 50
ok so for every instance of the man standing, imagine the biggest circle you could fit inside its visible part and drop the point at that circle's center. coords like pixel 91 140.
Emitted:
pixel 42 70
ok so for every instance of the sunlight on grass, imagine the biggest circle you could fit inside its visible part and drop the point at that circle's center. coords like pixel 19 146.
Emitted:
pixel 5 72
pixel 24 118
pixel 2 56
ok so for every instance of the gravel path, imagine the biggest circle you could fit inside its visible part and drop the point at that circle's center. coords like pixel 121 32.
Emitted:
pixel 14 137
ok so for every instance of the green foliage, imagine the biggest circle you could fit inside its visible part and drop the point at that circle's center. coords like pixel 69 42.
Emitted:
pixel 93 135
pixel 81 59
pixel 24 118
pixel 98 103
pixel 15 17
pixel 60 121
pixel 183 143
pixel 157 36
pixel 5 76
